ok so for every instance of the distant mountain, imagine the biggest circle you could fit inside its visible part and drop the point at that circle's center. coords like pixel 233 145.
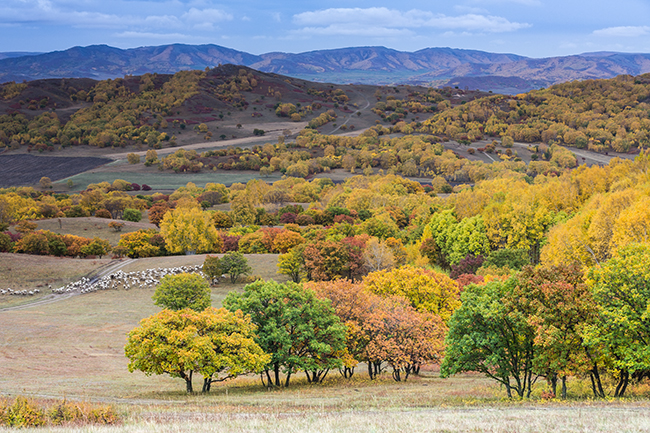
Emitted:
pixel 507 73
pixel 13 54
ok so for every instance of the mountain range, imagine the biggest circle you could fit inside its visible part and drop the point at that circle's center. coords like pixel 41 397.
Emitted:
pixel 501 73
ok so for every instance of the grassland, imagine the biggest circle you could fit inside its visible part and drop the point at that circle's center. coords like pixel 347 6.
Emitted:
pixel 73 348
pixel 90 227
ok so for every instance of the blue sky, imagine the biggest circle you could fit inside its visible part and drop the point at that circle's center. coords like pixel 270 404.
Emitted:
pixel 534 28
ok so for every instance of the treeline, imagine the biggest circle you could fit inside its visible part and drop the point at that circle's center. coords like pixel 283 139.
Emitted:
pixel 598 115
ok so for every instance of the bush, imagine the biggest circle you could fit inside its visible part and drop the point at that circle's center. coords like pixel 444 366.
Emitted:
pixel 103 213
pixel 469 265
pixel 132 215
pixel 304 220
pixel 23 413
pixel 27 413
pixel 6 246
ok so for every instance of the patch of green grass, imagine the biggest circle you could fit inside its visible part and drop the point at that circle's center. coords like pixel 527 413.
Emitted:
pixel 162 181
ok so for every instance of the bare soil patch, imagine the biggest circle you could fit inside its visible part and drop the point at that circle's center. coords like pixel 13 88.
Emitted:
pixel 18 170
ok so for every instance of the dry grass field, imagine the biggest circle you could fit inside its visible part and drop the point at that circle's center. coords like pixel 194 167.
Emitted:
pixel 90 227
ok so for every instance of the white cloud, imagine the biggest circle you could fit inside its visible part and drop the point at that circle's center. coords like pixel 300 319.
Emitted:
pixel 149 35
pixel 205 15
pixel 46 12
pixel 623 31
pixel 344 30
pixel 348 19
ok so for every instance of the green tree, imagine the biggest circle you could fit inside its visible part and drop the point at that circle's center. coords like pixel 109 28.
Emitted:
pixel 185 290
pixel 215 343
pixel 212 268
pixel 621 288
pixel 235 264
pixel 299 330
pixel 561 306
pixel 488 336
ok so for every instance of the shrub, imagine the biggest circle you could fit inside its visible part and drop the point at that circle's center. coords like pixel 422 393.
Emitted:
pixel 469 265
pixel 230 243
pixel 304 220
pixel 103 213
pixel 132 215
pixel 146 187
pixel 288 218
pixel 24 413
pixel 6 246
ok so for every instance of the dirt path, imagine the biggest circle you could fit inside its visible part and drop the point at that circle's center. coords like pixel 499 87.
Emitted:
pixel 355 112
pixel 93 276
pixel 269 135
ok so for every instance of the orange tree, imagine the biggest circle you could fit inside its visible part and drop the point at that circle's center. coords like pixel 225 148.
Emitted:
pixel 383 329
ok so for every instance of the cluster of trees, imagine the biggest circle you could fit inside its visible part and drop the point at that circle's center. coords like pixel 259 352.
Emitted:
pixel 598 115
pixel 552 322
pixel 387 321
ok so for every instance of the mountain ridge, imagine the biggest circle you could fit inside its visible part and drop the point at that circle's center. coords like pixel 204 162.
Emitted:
pixel 433 66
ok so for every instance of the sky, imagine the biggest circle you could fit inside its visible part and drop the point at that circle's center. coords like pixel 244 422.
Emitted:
pixel 533 28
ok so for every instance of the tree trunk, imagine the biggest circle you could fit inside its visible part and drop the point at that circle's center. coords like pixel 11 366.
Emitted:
pixel 188 383
pixel 622 384
pixel 347 372
pixel 551 378
pixel 276 371
pixel 207 382
pixel 563 387
pixel 286 383
pixel 596 384
pixel 370 370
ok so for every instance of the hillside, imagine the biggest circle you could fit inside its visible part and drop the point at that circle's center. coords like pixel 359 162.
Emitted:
pixel 437 67
pixel 225 103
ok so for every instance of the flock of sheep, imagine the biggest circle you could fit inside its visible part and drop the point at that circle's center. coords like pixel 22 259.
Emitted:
pixel 115 281
pixel 11 291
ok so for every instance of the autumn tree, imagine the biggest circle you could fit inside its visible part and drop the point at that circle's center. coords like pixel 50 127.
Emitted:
pixel 383 330
pixel 217 344
pixel 189 229
pixel 299 330
pixel 560 307
pixel 621 288
pixel 426 290
pixel 177 292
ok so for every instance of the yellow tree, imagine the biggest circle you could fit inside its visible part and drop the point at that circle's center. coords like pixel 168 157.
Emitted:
pixel 426 290
pixel 189 229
